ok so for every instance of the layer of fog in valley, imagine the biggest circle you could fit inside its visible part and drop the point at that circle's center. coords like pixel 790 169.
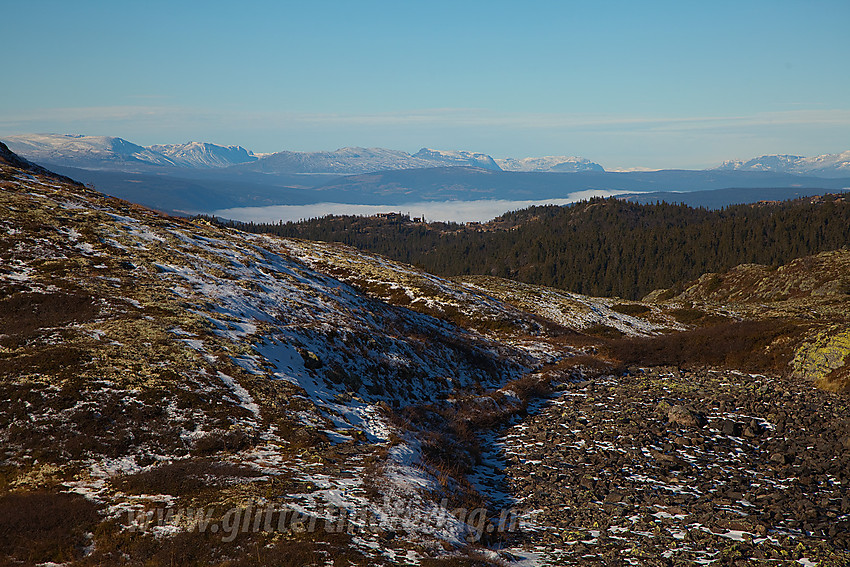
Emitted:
pixel 445 211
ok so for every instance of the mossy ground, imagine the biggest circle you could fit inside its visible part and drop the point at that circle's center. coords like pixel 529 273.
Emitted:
pixel 130 369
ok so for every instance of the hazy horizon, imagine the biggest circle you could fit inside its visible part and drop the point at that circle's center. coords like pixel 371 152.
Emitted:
pixel 654 84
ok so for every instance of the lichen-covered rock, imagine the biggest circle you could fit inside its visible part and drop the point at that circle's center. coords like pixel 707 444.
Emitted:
pixel 680 415
pixel 818 358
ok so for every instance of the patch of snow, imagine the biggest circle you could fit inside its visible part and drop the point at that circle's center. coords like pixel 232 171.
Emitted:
pixel 241 393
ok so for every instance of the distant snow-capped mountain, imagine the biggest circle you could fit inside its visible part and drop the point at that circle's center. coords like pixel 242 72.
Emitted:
pixel 827 165
pixel 83 151
pixel 460 158
pixel 549 164
pixel 203 154
pixel 342 161
pixel 108 152
pixel 112 153
pixel 352 161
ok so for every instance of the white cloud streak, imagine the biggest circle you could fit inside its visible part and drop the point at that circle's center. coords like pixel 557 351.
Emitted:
pixel 456 117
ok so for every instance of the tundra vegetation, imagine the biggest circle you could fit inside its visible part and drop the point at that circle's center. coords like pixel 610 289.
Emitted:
pixel 177 392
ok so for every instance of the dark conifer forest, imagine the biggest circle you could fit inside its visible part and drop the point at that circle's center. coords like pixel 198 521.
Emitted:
pixel 601 247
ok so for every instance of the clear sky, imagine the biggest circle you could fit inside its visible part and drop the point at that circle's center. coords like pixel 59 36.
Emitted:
pixel 626 84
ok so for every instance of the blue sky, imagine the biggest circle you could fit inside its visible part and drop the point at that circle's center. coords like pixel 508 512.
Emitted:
pixel 626 84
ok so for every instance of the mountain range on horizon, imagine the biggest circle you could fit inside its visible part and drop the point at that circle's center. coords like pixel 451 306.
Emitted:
pixel 114 153
pixel 206 178
pixel 827 165
pixel 150 363
pixel 110 152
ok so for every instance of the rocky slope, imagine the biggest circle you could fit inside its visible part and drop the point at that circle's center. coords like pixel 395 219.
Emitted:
pixel 148 362
pixel 668 467
pixel 171 389
pixel 152 365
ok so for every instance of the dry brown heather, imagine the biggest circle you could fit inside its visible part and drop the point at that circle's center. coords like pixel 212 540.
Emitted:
pixel 91 370
pixel 97 367
pixel 112 398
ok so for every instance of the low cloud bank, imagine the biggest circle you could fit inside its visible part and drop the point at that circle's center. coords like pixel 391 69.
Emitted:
pixel 456 211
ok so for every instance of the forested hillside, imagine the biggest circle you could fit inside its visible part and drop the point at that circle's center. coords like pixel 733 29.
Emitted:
pixel 599 247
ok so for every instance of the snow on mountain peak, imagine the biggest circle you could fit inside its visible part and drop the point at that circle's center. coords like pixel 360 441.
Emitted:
pixel 204 154
pixel 549 164
pixel 75 149
pixel 109 152
pixel 357 160
pixel 105 152
pixel 826 165
pixel 113 153
pixel 458 157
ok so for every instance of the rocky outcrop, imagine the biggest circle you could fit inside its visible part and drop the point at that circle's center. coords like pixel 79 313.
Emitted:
pixel 825 358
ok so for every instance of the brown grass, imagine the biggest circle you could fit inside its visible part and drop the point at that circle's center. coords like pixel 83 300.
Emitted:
pixel 114 546
pixel 630 308
pixel 181 478
pixel 582 365
pixel 60 361
pixel 838 380
pixel 38 527
pixel 691 316
pixel 603 331
pixel 748 345
pixel 217 441
pixel 108 423
pixel 299 436
pixel 530 387
pixel 24 313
